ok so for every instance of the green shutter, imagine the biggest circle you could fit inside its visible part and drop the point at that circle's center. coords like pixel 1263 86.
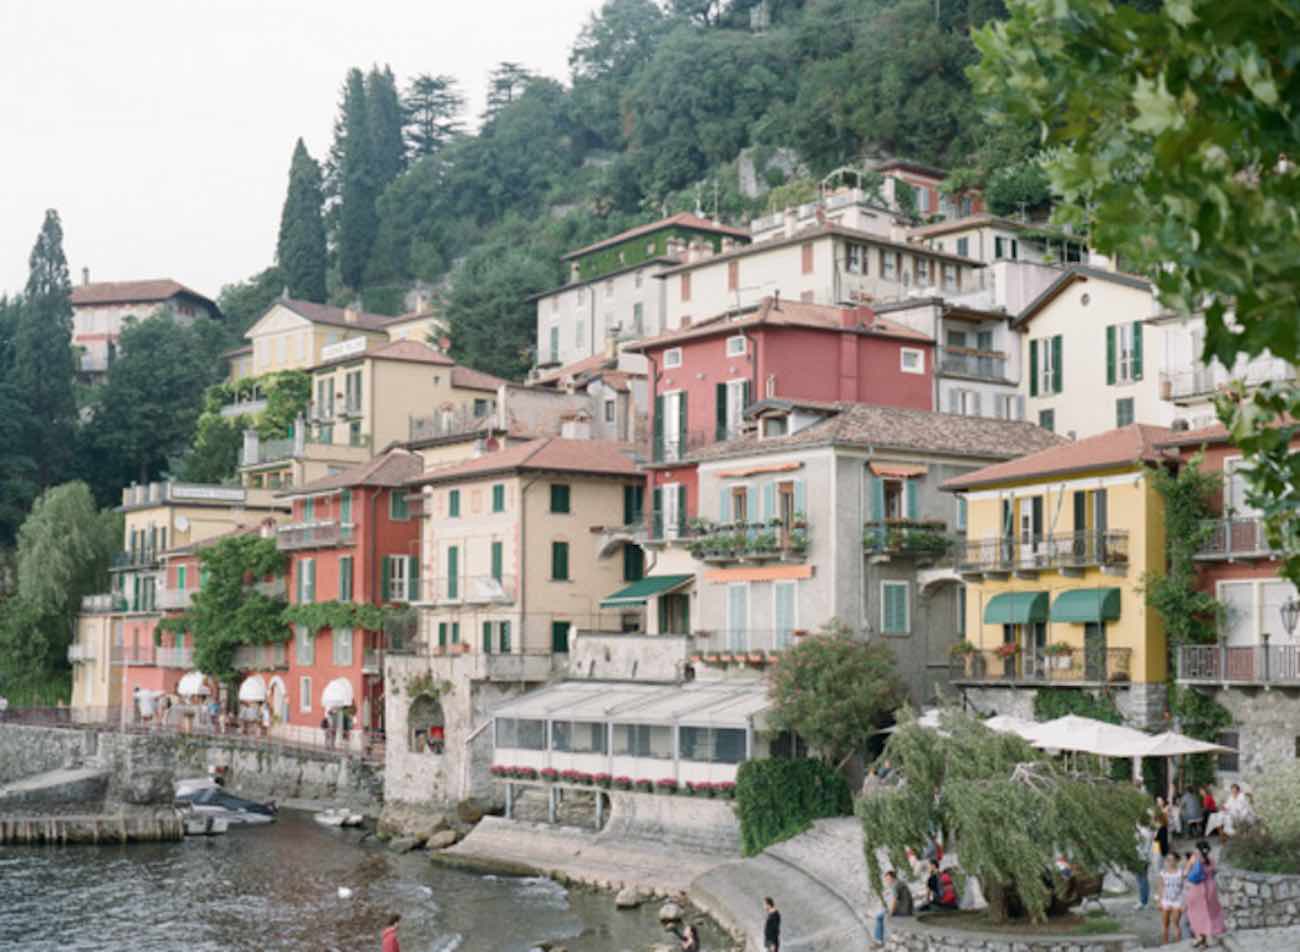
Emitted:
pixel 877 497
pixel 309 510
pixel 751 507
pixel 1058 375
pixel 559 561
pixel 180 577
pixel 912 507
pixel 1137 350
pixel 560 497
pixel 769 502
pixel 487 637
pixel 453 504
pixel 724 504
pixel 628 509
pixel 455 632
pixel 681 508
pixel 385 576
pixel 1110 353
pixel 720 403
pixel 744 395
pixel 560 637
pixel 659 430
pixel 681 424
pixel 442 633
pixel 633 562
pixel 345 506
pixel 499 497
pixel 1033 368
pixel 657 512
pixel 453 571
pixel 311 580
pixel 504 646
pixel 345 578
pixel 961 513
pixel 497 559
pixel 412 578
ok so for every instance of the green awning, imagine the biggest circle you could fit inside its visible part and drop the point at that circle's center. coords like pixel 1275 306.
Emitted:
pixel 648 587
pixel 1081 605
pixel 1016 608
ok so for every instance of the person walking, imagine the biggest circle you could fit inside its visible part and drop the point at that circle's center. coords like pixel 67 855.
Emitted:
pixel 1162 826
pixel 389 936
pixel 771 926
pixel 1145 836
pixel 1204 911
pixel 1172 899
pixel 898 903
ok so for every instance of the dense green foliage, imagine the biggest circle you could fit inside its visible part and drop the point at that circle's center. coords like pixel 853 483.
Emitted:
pixel 1049 705
pixel 778 799
pixel 1190 615
pixel 243 302
pixel 315 616
pixel 214 455
pixel 1172 131
pixel 300 250
pixel 834 690
pixel 1003 807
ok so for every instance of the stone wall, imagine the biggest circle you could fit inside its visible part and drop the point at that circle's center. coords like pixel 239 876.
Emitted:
pixel 26 751
pixel 627 656
pixel 909 935
pixel 704 825
pixel 1258 900
pixel 1267 723
pixel 1141 705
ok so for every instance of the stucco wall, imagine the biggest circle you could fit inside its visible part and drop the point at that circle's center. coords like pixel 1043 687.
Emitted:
pixel 1267 723
pixel 628 657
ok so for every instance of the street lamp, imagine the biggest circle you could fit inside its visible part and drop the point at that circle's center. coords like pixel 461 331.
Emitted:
pixel 1290 612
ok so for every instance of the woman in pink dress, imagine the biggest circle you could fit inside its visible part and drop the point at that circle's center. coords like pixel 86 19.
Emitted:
pixel 1203 909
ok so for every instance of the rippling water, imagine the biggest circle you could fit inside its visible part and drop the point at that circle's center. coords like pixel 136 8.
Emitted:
pixel 276 888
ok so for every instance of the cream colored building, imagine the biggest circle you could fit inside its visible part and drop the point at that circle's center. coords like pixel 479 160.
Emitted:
pixel 510 563
pixel 292 334
pixel 991 238
pixel 421 326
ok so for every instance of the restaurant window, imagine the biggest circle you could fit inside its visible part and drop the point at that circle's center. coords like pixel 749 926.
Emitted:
pixel 643 740
pixel 520 733
pixel 713 745
pixel 578 737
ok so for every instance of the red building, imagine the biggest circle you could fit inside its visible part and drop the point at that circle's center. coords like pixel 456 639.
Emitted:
pixel 352 538
pixel 703 377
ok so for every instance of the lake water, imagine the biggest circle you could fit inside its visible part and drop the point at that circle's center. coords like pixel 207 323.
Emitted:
pixel 276 888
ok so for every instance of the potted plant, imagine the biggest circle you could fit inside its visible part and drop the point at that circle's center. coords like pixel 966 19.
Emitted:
pixel 1008 649
pixel 725 789
pixel 798 541
pixel 623 783
pixel 800 520
pixel 645 786
pixel 550 774
pixel 602 780
pixel 499 770
pixel 1059 654
pixel 704 789
pixel 688 788
pixel 526 773
pixel 666 785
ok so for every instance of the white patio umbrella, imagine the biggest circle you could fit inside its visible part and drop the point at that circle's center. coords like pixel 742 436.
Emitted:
pixel 1173 744
pixel 1089 736
pixel 1008 724
pixel 338 693
pixel 193 685
pixel 253 690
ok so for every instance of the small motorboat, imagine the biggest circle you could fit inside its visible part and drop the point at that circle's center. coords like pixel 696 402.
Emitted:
pixel 205 825
pixel 339 817
pixel 204 798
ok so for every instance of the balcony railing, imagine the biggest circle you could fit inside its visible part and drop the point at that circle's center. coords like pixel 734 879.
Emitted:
pixel 103 603
pixel 1240 664
pixel 1064 551
pixel 1075 666
pixel 174 658
pixel 313 535
pixel 79 652
pixel 743 645
pixel 1236 539
pixel 240 408
pixel 132 655
pixel 372 662
pixel 326 438
pixel 468 590
pixel 261 657
pixel 455 422
pixel 924 541
pixel 145 558
pixel 750 542
pixel 669 449
pixel 175 599
pixel 967 362
pixel 1202 380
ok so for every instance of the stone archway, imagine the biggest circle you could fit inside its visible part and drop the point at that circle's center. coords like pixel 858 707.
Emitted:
pixel 425 725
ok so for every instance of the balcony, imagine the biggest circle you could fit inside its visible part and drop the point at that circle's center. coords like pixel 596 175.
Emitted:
pixel 467 590
pixel 968 362
pixel 1068 552
pixel 926 542
pixel 372 662
pixel 79 652
pixel 175 599
pixel 313 535
pixel 135 559
pixel 325 437
pixel 1231 539
pixel 257 451
pixel 463 419
pixel 102 604
pixel 751 646
pixel 249 407
pixel 174 658
pixel 1244 664
pixel 1073 666
pixel 1202 381
pixel 133 655
pixel 261 657
pixel 672 448
pixel 750 542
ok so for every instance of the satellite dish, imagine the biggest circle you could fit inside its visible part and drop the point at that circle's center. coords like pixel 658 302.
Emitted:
pixel 182 523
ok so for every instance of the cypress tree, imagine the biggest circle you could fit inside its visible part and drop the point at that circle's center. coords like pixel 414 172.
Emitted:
pixel 43 366
pixel 357 218
pixel 301 247
pixel 384 118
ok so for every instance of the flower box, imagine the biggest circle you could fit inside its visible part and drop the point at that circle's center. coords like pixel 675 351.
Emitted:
pixel 499 770
pixel 602 780
pixel 623 783
pixel 645 786
pixel 550 774
pixel 725 789
pixel 666 785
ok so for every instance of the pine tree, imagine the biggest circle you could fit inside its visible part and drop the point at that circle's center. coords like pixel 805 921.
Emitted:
pixel 300 251
pixel 384 119
pixel 350 157
pixel 43 365
pixel 431 106
pixel 506 83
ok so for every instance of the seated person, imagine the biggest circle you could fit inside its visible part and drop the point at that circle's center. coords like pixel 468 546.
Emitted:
pixel 943 890
pixel 1063 867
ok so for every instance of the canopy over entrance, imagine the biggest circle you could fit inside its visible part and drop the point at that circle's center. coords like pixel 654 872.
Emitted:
pixel 693 703
pixel 1081 605
pixel 1016 608
pixel 648 587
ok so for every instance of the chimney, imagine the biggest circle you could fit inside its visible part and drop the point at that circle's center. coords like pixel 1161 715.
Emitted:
pixel 854 317
pixel 350 315
pixel 791 222
pixel 85 276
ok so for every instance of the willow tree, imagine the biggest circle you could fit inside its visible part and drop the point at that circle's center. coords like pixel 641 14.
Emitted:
pixel 1003 806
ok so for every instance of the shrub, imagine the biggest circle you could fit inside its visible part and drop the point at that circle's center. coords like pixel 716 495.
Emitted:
pixel 778 799
pixel 1277 802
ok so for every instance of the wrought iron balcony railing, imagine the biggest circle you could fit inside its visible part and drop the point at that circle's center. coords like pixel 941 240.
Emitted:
pixel 1075 666
pixel 927 541
pixel 1239 664
pixel 750 542
pixel 1238 538
pixel 1063 551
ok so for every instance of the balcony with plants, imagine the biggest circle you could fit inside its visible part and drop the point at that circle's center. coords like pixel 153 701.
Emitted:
pixel 314 535
pixel 770 541
pixel 924 541
pixel 1056 663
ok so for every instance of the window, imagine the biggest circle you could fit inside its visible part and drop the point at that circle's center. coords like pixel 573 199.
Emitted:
pixel 922 270
pixel 498 560
pixel 806 254
pixel 579 737
pixel 1047 420
pixel 686 286
pixel 961 607
pixel 309 510
pixel 895 495
pixel 1045 359
pixel 1008 406
pixel 306 581
pixel 504 631
pixel 560 561
pixel 480 407
pixel 733 275
pixel 398 509
pixel 345 578
pixel 304 643
pixel 948 278
pixel 304 694
pixel 911 360
pixel 894 608
pixel 853 258
pixel 1124 353
pixel 1236 485
pixel 560 637
pixel 1124 411
pixel 352 390
pixel 643 740
pixel 774 426
pixel 345 507
pixel 713 745
pixel 560 497
pixel 1230 761
pixel 737 346
pixel 889 265
pixel 672 358
pixel 638 319
pixel 499 497
pixel 453 504
pixel 1005 248
pixel 518 734
pixel 342 647
pixel 609 411
pixel 399 574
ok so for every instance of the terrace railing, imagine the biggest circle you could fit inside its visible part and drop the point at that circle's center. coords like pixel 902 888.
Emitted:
pixel 1075 666
pixel 1062 551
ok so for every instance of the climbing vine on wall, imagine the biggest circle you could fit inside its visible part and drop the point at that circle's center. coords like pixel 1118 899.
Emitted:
pixel 318 615
pixel 1189 614
pixel 228 610
pixel 286 392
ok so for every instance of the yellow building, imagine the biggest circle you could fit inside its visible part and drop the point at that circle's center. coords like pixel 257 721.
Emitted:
pixel 1057 544
pixel 425 326
pixel 292 334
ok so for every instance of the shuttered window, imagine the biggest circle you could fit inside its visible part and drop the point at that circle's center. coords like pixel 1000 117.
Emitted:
pixel 345 578
pixel 453 504
pixel 893 608
pixel 498 558
pixel 559 497
pixel 560 561
pixel 499 497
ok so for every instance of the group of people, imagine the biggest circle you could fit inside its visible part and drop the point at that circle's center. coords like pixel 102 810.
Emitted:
pixel 1189 893
pixel 940 887
pixel 1188 896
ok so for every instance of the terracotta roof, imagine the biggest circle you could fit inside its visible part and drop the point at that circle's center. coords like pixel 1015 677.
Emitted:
pixel 895 428
pixel 1077 272
pixel 337 316
pixel 769 313
pixel 1130 446
pixel 550 454
pixel 132 292
pixel 1215 433
pixel 976 221
pixel 681 220
pixel 391 468
pixel 411 351
pixel 236 351
pixel 592 363
pixel 911 165
pixel 618 379
pixel 471 379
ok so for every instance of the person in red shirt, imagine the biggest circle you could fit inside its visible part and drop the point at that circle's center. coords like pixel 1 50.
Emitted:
pixel 390 934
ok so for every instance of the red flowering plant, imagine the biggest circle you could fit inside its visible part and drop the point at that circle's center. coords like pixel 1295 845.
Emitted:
pixel 1007 649
pixel 645 786
pixel 623 783
pixel 525 773
pixel 602 779
pixel 499 770
pixel 666 785
pixel 550 774
pixel 725 789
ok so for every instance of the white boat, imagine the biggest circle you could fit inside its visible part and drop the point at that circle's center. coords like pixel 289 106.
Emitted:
pixel 339 817
pixel 205 825
pixel 205 798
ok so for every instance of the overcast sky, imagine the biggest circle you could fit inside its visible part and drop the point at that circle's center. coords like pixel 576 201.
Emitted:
pixel 161 130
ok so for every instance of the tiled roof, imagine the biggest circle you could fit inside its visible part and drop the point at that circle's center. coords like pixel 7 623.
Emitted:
pixel 470 379
pixel 132 292
pixel 550 454
pixel 337 316
pixel 682 220
pixel 1127 446
pixel 1077 272
pixel 391 468
pixel 771 313
pixel 1215 433
pixel 895 428
pixel 587 364
pixel 411 351
pixel 977 221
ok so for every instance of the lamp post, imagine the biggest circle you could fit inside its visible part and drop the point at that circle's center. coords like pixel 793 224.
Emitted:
pixel 1290 614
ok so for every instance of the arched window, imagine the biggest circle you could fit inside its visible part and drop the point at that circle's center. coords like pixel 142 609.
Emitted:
pixel 424 726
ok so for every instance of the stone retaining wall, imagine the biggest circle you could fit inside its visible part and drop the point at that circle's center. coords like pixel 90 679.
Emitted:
pixel 704 825
pixel 1256 900
pixel 26 751
pixel 913 936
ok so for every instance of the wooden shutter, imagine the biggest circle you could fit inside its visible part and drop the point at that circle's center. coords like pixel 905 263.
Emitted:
pixel 961 513
pixel 1036 516
pixel 1110 353
pixel 783 610
pixel 297 593
pixel 657 512
pixel 745 394
pixel 311 579
pixel 345 506
pixel 1058 375
pixel 504 645
pixel 559 560
pixel 954 400
pixel 487 637
pixel 1137 350
pixel 385 578
pixel 720 410
pixel 912 505
pixel 681 424
pixel 560 637
pixel 681 507
pixel 877 489
pixel 497 559
pixel 442 633
pixel 412 578
pixel 345 579
pixel 658 449
pixel 633 562
pixel 751 506
pixel 453 571
pixel 1033 368
pixel 455 632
